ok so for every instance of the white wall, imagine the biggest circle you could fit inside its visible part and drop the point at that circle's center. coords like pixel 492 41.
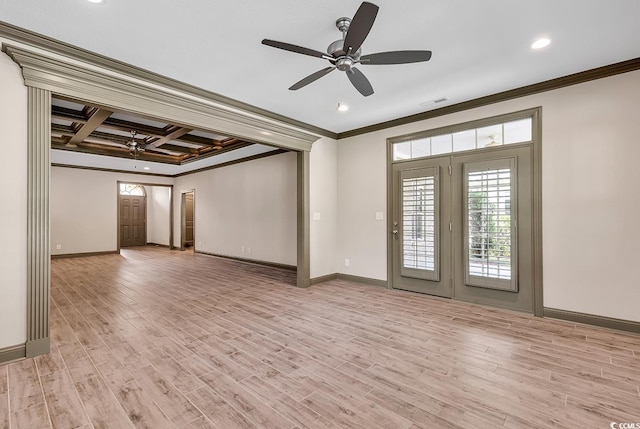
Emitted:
pixel 324 203
pixel 13 210
pixel 158 214
pixel 84 206
pixel 591 202
pixel 250 204
pixel 362 191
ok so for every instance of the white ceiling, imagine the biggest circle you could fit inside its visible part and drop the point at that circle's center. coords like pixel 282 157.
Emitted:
pixel 479 47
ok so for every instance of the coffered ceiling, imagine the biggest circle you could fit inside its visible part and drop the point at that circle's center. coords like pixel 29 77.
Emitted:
pixel 85 128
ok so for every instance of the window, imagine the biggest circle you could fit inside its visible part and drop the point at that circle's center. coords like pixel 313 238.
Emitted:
pixel 517 131
pixel 419 225
pixel 131 189
pixel 489 224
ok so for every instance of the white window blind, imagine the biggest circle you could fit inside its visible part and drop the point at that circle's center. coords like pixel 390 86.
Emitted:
pixel 419 227
pixel 490 233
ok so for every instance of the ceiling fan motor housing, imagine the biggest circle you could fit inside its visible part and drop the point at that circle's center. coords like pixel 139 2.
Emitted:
pixel 336 51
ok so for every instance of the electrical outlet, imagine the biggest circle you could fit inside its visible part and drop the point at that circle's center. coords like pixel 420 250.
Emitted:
pixel 199 243
pixel 58 246
pixel 346 262
pixel 242 249
pixel 248 249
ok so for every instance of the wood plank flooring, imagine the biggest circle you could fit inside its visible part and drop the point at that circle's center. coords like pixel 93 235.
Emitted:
pixel 159 339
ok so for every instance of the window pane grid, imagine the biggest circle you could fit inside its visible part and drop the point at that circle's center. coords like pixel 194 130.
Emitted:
pixel 489 223
pixel 131 189
pixel 418 223
pixel 518 131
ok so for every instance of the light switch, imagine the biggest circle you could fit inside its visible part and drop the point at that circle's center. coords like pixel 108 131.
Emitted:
pixel 316 215
pixel 379 215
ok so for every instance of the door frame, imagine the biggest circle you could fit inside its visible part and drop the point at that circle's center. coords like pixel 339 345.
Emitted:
pixel 118 182
pixel 183 220
pixel 536 179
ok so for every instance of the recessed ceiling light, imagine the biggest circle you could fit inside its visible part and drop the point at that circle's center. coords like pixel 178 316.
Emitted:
pixel 147 168
pixel 341 107
pixel 95 1
pixel 543 42
pixel 266 133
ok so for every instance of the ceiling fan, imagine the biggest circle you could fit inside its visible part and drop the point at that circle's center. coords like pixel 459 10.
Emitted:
pixel 138 146
pixel 345 53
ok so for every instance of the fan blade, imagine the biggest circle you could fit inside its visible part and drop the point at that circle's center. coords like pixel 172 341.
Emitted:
pixel 311 78
pixel 360 26
pixel 396 57
pixel 297 49
pixel 360 81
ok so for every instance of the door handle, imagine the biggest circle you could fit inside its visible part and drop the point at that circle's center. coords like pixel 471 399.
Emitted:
pixel 395 233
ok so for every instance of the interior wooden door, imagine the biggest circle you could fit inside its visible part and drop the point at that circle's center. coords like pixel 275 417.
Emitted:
pixel 133 220
pixel 189 219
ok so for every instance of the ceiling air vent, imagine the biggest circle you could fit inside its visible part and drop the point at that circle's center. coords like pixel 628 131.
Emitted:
pixel 434 101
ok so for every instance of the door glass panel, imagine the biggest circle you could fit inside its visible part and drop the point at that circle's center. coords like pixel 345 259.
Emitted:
pixel 518 131
pixel 502 133
pixel 402 151
pixel 489 228
pixel 441 144
pixel 420 148
pixel 464 140
pixel 131 189
pixel 419 227
pixel 490 136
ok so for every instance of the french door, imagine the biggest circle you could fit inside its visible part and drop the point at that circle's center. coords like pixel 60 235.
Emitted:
pixel 462 227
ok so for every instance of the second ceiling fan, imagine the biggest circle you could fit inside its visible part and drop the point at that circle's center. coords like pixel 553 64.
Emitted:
pixel 345 53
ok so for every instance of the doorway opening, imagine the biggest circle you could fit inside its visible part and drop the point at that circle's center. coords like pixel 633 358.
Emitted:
pixel 145 215
pixel 187 223
pixel 464 206
pixel 132 215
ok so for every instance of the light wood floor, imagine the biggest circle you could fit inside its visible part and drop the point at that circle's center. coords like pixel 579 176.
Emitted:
pixel 160 339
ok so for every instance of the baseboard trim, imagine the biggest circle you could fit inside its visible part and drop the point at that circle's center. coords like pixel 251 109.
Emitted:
pixel 322 279
pixel 250 261
pixel 9 354
pixel 82 255
pixel 363 280
pixel 590 319
pixel 38 347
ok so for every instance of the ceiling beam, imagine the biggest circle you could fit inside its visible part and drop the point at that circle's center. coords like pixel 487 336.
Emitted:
pixel 181 149
pixel 96 135
pixel 179 132
pixel 94 121
pixel 123 125
pixel 119 153
pixel 68 114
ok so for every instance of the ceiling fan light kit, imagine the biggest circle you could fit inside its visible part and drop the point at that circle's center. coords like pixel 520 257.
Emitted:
pixel 134 147
pixel 345 53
